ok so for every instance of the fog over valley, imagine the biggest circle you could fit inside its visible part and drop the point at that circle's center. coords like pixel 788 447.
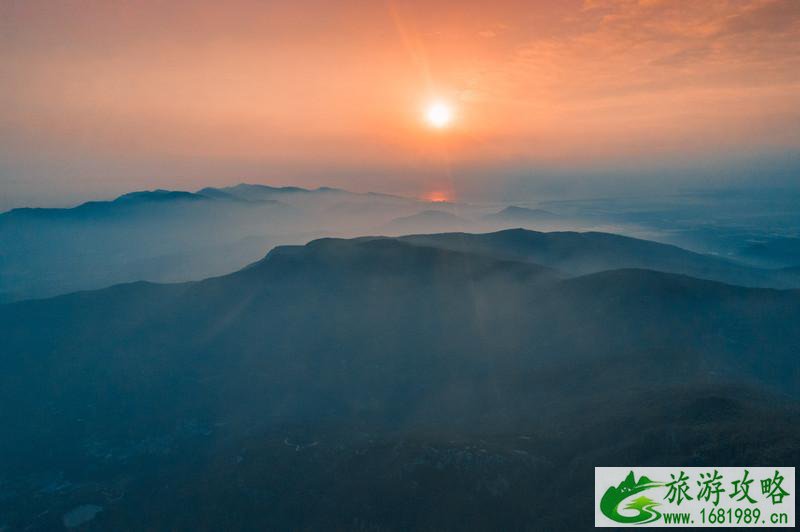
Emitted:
pixel 399 266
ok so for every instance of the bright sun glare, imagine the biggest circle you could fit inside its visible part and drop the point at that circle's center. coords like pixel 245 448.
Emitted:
pixel 439 115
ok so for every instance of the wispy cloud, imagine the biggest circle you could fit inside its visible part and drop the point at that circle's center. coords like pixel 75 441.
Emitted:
pixel 273 82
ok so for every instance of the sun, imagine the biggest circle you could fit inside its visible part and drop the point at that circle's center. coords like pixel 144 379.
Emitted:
pixel 439 114
pixel 437 196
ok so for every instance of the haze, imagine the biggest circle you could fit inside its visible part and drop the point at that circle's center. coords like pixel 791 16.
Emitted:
pixel 574 97
pixel 398 265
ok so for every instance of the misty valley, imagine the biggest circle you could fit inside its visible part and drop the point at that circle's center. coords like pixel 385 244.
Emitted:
pixel 428 381
pixel 399 265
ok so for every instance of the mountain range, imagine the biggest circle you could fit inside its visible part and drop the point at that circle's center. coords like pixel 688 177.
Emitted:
pixel 172 236
pixel 421 382
pixel 578 253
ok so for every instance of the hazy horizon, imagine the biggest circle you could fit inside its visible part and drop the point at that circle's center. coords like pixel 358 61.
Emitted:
pixel 502 245
pixel 568 98
pixel 762 176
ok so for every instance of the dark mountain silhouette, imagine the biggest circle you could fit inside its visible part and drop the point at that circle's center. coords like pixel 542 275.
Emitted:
pixel 157 195
pixel 383 384
pixel 123 204
pixel 250 192
pixel 156 235
pixel 126 204
pixel 168 236
pixel 171 236
pixel 580 253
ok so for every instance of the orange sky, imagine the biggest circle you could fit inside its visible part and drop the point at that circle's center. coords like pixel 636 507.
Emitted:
pixel 104 95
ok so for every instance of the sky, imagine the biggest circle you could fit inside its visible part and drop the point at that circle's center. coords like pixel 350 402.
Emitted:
pixel 559 96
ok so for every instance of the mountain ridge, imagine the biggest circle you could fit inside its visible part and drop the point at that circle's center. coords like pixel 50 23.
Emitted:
pixel 577 253
pixel 388 371
pixel 233 192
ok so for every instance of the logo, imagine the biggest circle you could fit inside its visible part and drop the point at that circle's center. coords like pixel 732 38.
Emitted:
pixel 695 496
pixel 644 507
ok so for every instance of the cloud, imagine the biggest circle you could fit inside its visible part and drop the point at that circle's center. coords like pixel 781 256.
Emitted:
pixel 683 57
pixel 774 17
pixel 667 45
pixel 273 82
